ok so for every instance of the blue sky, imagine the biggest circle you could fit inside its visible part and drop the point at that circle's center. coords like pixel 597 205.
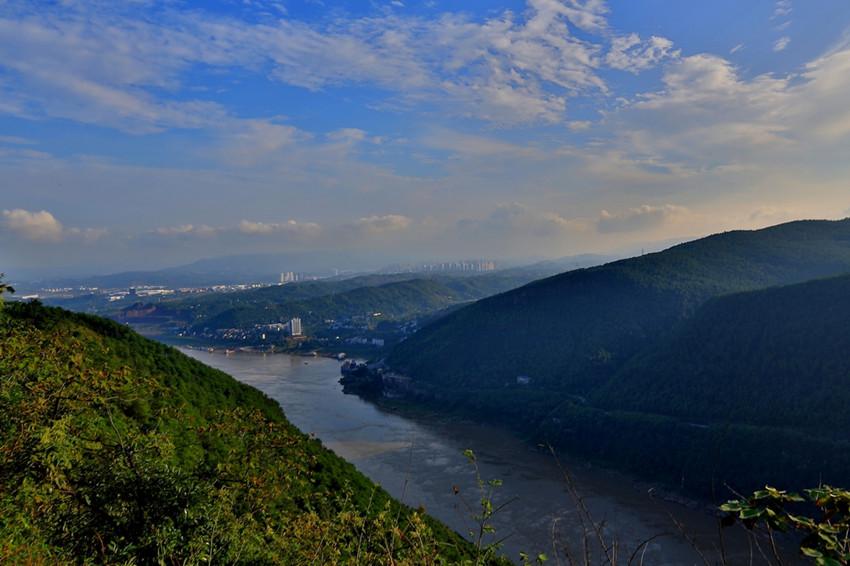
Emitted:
pixel 140 133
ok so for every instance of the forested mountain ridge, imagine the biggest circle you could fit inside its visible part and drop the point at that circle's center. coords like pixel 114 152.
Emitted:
pixel 717 362
pixel 397 296
pixel 117 449
pixel 773 357
pixel 574 330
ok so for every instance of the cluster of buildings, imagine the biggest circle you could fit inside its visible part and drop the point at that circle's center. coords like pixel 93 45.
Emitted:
pixel 140 293
pixel 363 341
pixel 259 333
pixel 467 266
pixel 289 277
pixel 112 295
pixel 356 322
pixel 291 328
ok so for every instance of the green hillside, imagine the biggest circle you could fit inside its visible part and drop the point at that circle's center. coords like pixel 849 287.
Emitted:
pixel 752 389
pixel 683 366
pixel 210 305
pixel 117 449
pixel 572 331
pixel 316 302
pixel 775 357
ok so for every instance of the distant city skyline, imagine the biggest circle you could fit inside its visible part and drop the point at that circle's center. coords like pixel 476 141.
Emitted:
pixel 139 135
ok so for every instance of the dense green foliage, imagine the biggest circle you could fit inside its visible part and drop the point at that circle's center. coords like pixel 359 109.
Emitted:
pixel 117 449
pixel 395 296
pixel 570 330
pixel 683 366
pixel 775 357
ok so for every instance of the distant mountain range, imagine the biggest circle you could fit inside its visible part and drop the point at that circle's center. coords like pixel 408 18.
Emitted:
pixel 223 270
pixel 395 296
pixel 266 268
pixel 661 362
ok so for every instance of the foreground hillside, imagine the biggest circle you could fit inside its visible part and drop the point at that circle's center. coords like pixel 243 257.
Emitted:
pixel 116 449
pixel 570 331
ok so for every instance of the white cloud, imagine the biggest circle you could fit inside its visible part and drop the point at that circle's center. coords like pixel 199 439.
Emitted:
pixel 770 215
pixel 108 62
pixel 782 8
pixel 348 135
pixel 642 218
pixel 781 43
pixel 88 235
pixel 708 108
pixel 44 227
pixel 184 230
pixel 381 224
pixel 39 226
pixel 248 142
pixel 706 116
pixel 579 125
pixel 462 144
pixel 290 228
pixel 630 53
pixel 518 220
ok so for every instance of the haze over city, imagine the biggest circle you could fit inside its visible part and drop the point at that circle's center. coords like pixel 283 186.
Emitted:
pixel 145 134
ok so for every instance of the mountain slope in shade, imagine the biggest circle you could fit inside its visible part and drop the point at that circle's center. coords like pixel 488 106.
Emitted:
pixel 774 357
pixel 573 331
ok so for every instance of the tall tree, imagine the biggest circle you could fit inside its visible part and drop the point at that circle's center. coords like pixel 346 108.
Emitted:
pixel 4 287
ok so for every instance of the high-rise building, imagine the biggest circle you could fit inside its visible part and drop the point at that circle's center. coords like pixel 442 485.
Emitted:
pixel 476 266
pixel 295 327
pixel 288 277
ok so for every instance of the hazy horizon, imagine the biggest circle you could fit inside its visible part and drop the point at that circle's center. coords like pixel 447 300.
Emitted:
pixel 141 135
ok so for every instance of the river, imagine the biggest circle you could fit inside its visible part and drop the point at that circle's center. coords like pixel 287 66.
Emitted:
pixel 419 460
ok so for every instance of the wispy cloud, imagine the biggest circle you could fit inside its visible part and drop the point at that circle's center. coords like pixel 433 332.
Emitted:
pixel 630 53
pixel 290 227
pixel 381 224
pixel 781 43
pixel 642 218
pixel 113 66
pixel 782 9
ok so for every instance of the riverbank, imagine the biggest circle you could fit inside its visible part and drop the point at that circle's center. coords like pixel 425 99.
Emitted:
pixel 417 455
pixel 415 404
pixel 412 407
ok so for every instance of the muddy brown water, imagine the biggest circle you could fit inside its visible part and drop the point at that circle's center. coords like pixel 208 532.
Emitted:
pixel 419 460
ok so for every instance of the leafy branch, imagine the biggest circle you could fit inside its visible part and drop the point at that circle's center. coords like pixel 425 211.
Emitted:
pixel 821 516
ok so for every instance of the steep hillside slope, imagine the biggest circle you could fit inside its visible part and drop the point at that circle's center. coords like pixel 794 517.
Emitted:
pixel 572 331
pixel 116 449
pixel 774 357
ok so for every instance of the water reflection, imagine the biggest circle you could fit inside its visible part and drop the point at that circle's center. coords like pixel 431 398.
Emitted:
pixel 419 459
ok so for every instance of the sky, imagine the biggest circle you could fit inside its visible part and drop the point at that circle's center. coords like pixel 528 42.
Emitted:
pixel 143 133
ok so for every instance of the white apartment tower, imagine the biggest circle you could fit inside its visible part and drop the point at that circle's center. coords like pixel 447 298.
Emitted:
pixel 295 327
